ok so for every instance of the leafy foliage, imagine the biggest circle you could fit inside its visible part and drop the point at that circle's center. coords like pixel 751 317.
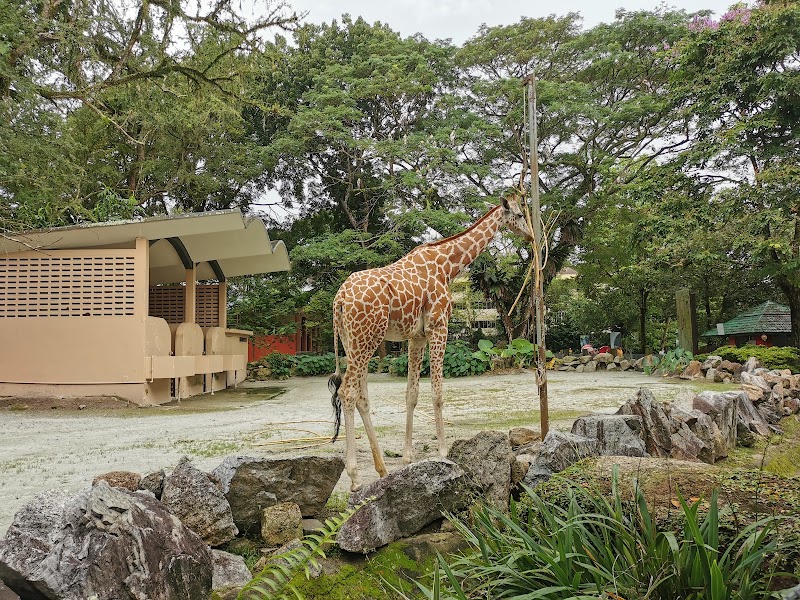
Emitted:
pixel 280 365
pixel 459 361
pixel 770 357
pixel 316 364
pixel 674 361
pixel 594 545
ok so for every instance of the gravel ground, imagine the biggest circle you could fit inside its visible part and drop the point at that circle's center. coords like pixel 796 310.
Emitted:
pixel 55 445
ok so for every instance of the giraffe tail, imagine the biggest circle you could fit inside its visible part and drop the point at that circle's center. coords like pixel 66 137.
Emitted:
pixel 336 379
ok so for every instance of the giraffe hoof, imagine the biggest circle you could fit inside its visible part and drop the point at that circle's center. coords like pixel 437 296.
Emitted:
pixel 354 487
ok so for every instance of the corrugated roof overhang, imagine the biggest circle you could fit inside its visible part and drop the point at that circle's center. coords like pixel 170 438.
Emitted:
pixel 239 246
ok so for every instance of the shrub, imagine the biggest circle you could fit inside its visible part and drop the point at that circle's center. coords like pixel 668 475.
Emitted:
pixel 378 364
pixel 771 357
pixel 595 545
pixel 280 365
pixel 309 365
pixel 459 361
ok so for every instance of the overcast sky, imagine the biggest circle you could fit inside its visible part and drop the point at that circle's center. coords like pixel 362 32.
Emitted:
pixel 460 19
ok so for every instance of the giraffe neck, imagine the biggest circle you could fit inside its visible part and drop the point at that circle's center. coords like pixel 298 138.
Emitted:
pixel 463 248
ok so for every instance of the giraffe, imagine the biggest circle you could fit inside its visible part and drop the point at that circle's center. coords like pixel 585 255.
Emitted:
pixel 406 300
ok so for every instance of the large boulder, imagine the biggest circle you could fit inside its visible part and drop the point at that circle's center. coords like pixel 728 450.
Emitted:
pixel 192 496
pixel 712 362
pixel 696 436
pixel 486 459
pixel 403 503
pixel 561 449
pixel 253 484
pixel 616 435
pixel 656 424
pixel 749 416
pixel 722 407
pixel 103 542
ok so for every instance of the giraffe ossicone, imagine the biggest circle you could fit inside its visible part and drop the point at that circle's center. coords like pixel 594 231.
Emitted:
pixel 408 300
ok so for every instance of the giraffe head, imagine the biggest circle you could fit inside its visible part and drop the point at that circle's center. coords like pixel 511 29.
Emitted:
pixel 514 218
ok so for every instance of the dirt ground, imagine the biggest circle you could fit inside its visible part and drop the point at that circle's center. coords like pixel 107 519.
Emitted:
pixel 65 443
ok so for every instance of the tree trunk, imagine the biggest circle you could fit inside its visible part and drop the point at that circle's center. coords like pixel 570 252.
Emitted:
pixel 642 320
pixel 792 293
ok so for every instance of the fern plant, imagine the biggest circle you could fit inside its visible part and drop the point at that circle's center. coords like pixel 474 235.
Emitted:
pixel 274 582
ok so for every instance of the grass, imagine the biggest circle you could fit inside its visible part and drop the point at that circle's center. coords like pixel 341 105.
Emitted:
pixel 209 449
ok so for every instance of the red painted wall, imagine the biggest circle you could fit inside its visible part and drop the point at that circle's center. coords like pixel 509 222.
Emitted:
pixel 261 345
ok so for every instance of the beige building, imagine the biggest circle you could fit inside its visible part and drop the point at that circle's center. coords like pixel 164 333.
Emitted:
pixel 115 309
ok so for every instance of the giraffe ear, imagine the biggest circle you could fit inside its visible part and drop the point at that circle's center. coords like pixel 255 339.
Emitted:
pixel 504 202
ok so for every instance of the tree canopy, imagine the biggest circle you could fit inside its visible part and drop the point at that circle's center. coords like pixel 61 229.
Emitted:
pixel 668 147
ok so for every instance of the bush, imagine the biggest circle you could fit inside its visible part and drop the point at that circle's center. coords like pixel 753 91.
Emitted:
pixel 458 362
pixel 309 365
pixel 774 357
pixel 594 544
pixel 379 365
pixel 280 365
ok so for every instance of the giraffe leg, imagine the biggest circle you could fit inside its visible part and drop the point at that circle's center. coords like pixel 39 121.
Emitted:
pixel 349 409
pixel 438 340
pixel 362 404
pixel 416 350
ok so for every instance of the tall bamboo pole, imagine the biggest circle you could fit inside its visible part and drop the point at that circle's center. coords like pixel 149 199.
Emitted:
pixel 538 286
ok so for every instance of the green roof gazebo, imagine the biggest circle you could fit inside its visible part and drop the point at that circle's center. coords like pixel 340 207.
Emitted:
pixel 767 324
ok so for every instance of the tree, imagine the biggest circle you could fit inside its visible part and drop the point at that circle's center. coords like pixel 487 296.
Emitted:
pixel 739 79
pixel 604 112
pixel 99 97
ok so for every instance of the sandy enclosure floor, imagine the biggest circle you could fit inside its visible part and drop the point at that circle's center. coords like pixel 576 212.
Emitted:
pixel 45 448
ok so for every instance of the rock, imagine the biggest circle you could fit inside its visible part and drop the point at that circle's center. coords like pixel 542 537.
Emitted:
pixel 281 523
pixel 604 358
pixel 744 437
pixel 424 547
pixel 704 443
pixel 252 484
pixel 754 393
pixel 612 367
pixel 580 368
pixel 722 407
pixel 277 557
pixel 751 364
pixel 638 364
pixel 712 362
pixel 120 479
pixel 793 404
pixel 722 376
pixel 520 436
pixel 536 475
pixel 153 483
pixel 570 360
pixel 585 359
pixel 192 496
pixel 486 459
pixel 230 571
pixel 757 381
pixel 560 449
pixel 103 542
pixel 750 417
pixel 778 393
pixel 28 542
pixel 520 466
pixel 711 374
pixel 616 435
pixel 311 525
pixel 625 364
pixel 590 367
pixel 686 445
pixel 729 366
pixel 404 502
pixel 770 414
pixel 692 371
pixel 656 424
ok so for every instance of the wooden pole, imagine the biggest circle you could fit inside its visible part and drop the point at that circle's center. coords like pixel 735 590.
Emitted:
pixel 538 286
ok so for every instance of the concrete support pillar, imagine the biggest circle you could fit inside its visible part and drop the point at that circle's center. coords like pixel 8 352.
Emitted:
pixel 190 303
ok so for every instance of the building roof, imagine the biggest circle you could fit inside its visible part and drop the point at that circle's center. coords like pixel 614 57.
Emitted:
pixel 221 242
pixel 769 317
